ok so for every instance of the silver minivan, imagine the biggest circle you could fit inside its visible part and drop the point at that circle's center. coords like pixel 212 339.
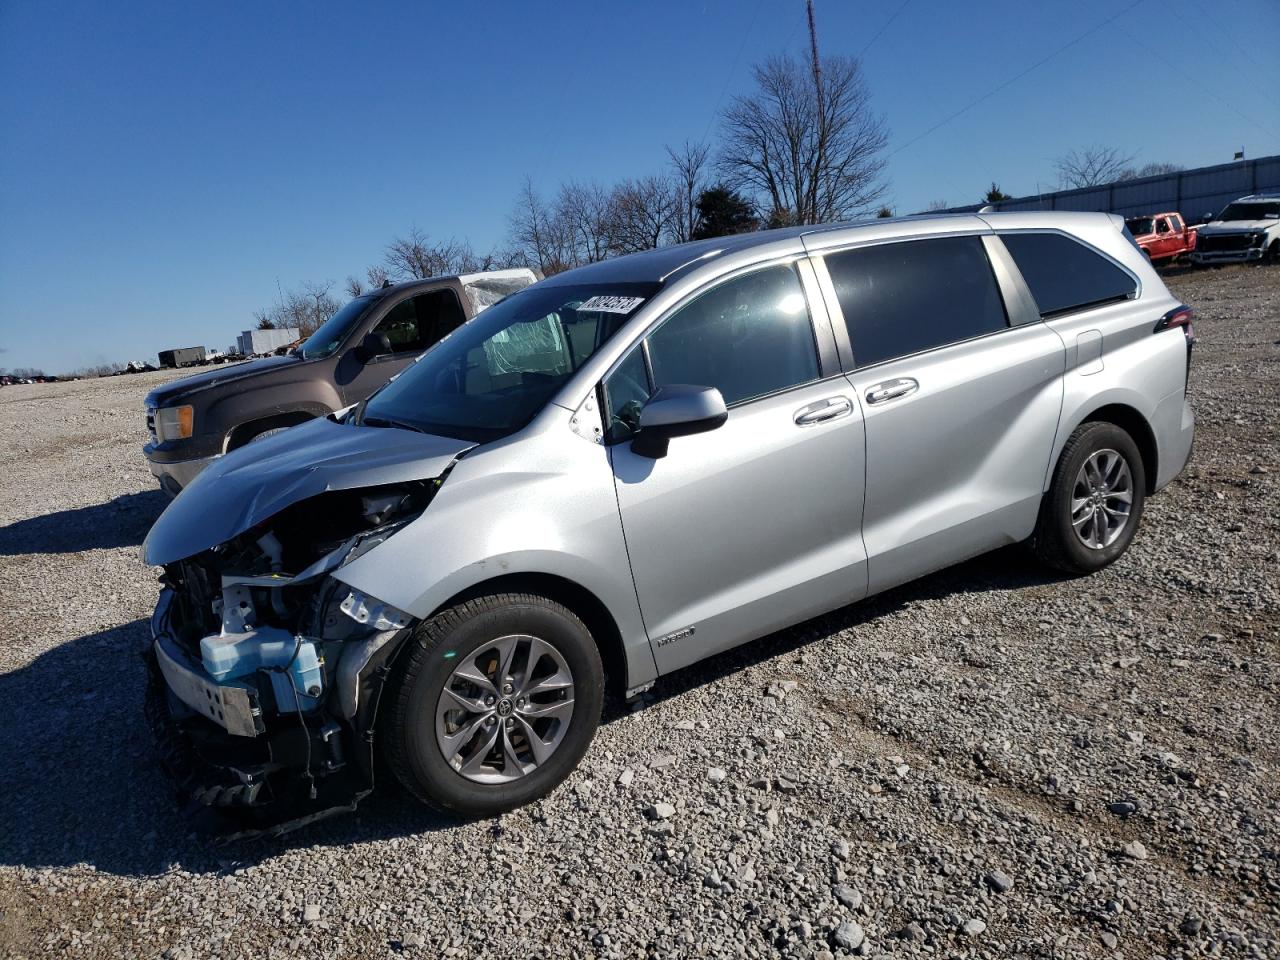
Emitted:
pixel 634 465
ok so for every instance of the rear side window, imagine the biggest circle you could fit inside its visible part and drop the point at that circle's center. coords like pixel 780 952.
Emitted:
pixel 902 298
pixel 1064 274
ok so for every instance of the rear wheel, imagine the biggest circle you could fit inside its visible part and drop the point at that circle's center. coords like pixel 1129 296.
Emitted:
pixel 496 703
pixel 1094 505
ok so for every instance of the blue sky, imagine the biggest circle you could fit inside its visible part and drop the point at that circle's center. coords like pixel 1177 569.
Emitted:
pixel 163 167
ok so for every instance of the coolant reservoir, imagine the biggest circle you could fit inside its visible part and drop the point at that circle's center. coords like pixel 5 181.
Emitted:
pixel 231 656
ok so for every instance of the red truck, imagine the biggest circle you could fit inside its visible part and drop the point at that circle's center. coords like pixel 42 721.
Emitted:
pixel 1163 237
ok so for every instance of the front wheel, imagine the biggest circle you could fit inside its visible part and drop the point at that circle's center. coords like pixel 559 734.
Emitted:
pixel 1094 505
pixel 495 704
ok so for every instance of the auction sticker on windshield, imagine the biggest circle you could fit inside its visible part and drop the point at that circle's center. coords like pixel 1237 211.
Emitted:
pixel 611 304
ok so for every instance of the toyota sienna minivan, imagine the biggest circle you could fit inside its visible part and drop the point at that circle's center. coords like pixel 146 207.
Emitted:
pixel 637 464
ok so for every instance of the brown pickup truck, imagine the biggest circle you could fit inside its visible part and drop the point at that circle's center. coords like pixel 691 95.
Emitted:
pixel 1163 237
pixel 363 345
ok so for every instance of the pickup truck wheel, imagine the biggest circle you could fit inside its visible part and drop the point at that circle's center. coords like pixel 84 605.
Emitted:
pixel 496 701
pixel 264 434
pixel 1094 505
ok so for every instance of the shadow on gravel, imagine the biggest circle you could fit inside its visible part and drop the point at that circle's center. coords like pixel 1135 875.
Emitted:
pixel 1011 568
pixel 82 785
pixel 122 522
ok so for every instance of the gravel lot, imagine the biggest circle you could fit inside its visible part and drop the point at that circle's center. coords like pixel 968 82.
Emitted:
pixel 989 762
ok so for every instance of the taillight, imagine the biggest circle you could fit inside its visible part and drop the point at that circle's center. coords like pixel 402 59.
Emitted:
pixel 1180 316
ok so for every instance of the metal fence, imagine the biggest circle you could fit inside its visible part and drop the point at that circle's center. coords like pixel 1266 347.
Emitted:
pixel 1193 193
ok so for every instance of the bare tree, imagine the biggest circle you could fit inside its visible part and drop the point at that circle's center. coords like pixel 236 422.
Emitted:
pixel 416 257
pixel 937 205
pixel 586 213
pixel 353 287
pixel 304 309
pixel 689 165
pixel 1090 166
pixel 1149 170
pixel 377 276
pixel 538 235
pixel 807 143
pixel 646 213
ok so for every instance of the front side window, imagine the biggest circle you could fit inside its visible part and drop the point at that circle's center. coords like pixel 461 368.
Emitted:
pixel 1063 274
pixel 902 298
pixel 417 323
pixel 748 337
pixel 499 369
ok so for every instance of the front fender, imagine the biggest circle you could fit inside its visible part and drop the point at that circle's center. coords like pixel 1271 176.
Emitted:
pixel 541 503
pixel 314 398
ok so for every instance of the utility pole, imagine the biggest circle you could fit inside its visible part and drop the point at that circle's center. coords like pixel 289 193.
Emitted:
pixel 812 200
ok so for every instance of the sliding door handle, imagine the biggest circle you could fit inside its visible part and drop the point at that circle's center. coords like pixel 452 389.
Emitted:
pixel 892 390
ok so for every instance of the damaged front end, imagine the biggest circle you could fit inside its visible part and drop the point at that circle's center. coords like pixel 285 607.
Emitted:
pixel 266 671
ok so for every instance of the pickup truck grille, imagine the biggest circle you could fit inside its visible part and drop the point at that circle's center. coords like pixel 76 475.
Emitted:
pixel 1221 243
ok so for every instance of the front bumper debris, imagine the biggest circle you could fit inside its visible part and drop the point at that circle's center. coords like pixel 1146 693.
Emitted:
pixel 232 706
pixel 243 767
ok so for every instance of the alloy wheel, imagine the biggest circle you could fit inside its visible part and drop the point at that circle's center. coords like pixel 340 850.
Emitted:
pixel 1101 499
pixel 505 709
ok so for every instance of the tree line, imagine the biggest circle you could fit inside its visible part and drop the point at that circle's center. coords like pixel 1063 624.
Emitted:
pixel 805 146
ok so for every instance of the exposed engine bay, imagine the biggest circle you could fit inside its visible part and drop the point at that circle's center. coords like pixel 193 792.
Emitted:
pixel 266 670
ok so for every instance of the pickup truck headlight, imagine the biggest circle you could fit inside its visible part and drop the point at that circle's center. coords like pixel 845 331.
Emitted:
pixel 1257 239
pixel 174 423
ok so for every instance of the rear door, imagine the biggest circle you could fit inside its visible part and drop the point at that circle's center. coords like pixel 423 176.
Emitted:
pixel 755 525
pixel 960 404
pixel 411 325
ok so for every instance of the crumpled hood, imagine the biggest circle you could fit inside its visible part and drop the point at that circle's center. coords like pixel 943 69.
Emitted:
pixel 259 480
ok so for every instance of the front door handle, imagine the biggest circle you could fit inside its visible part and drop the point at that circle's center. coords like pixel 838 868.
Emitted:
pixel 892 389
pixel 823 410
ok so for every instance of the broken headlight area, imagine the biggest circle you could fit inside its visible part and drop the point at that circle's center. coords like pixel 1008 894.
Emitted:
pixel 266 671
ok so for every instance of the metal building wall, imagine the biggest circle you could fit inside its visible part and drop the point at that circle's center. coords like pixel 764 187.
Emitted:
pixel 1193 193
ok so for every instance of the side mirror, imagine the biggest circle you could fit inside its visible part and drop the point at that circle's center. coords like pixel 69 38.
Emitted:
pixel 373 345
pixel 677 410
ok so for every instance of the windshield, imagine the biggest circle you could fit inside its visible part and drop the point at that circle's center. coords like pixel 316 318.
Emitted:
pixel 330 334
pixel 1251 211
pixel 1140 225
pixel 489 377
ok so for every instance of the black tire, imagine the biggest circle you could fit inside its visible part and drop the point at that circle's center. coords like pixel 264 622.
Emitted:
pixel 436 648
pixel 1055 540
pixel 263 434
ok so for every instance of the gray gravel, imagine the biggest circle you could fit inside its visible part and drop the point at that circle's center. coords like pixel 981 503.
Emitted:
pixel 988 762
